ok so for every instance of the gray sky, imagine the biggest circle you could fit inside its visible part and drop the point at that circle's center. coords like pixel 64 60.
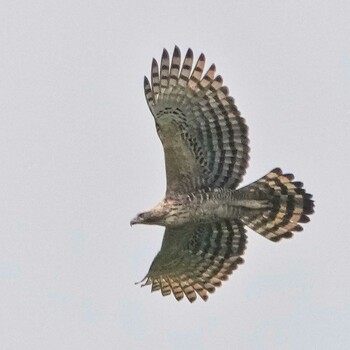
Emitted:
pixel 80 157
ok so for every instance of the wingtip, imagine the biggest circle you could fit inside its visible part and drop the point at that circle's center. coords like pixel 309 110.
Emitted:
pixel 143 279
pixel 177 51
pixel 212 68
pixel 189 53
pixel 277 171
pixel 201 57
pixel 165 54
pixel 205 298
pixel 154 62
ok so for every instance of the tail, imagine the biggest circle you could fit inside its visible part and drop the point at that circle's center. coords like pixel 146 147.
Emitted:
pixel 290 205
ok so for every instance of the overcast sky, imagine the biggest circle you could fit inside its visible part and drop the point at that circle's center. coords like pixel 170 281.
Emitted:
pixel 80 156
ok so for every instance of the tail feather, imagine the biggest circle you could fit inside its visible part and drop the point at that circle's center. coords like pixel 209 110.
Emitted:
pixel 291 205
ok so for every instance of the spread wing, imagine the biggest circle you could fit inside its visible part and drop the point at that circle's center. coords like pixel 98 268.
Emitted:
pixel 194 259
pixel 204 137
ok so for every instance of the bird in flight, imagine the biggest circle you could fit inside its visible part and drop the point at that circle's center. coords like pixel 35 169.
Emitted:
pixel 205 142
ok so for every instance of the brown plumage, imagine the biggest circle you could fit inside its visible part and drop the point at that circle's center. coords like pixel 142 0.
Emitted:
pixel 206 155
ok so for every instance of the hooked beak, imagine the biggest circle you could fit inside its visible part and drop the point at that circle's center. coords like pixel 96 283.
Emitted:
pixel 135 221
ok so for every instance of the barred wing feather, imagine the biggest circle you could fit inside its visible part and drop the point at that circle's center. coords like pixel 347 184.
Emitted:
pixel 195 259
pixel 204 137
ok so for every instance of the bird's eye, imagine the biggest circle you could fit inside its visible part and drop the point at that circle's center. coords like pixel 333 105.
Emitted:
pixel 141 216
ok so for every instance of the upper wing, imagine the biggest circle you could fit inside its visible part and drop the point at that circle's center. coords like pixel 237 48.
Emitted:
pixel 196 258
pixel 204 137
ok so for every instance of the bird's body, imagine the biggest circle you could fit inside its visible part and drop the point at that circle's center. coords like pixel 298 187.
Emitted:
pixel 205 142
pixel 204 206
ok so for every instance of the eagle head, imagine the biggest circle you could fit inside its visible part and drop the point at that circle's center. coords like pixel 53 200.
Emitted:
pixel 155 216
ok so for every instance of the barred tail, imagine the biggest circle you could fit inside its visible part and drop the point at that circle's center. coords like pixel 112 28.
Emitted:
pixel 291 205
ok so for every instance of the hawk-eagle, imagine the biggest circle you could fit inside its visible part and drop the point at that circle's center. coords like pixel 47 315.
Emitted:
pixel 205 142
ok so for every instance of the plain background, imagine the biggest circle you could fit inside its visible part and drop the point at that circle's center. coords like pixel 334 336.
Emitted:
pixel 79 157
